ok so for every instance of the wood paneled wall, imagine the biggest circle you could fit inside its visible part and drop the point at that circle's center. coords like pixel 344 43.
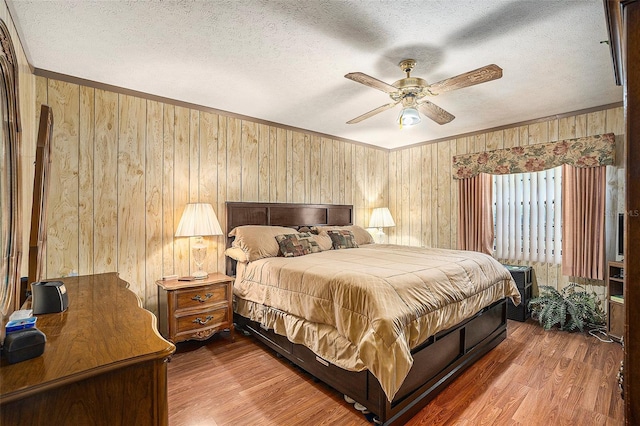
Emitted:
pixel 123 169
pixel 423 196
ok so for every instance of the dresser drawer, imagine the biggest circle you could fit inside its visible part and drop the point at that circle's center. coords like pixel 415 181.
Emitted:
pixel 208 318
pixel 202 296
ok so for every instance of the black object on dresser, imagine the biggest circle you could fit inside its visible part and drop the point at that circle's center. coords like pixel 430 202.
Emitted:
pixel 522 275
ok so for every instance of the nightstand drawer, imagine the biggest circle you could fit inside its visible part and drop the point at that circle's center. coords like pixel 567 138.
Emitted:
pixel 203 319
pixel 201 296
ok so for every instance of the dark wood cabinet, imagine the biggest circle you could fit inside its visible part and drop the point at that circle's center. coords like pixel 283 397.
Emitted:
pixel 523 276
pixel 195 309
pixel 104 363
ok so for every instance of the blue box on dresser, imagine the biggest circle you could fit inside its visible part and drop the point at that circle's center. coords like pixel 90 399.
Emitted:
pixel 522 275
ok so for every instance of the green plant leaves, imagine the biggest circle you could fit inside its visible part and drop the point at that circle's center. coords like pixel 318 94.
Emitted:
pixel 570 309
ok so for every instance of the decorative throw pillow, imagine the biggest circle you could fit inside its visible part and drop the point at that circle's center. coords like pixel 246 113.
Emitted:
pixel 342 239
pixel 292 245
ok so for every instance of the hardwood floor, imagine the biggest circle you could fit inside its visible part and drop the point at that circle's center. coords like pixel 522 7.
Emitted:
pixel 534 377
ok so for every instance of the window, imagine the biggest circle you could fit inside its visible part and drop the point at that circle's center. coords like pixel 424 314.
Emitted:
pixel 527 213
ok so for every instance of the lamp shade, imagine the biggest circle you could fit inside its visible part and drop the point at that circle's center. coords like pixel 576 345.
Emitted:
pixel 198 220
pixel 381 218
pixel 409 117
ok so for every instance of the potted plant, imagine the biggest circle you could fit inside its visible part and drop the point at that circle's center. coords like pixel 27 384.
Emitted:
pixel 571 309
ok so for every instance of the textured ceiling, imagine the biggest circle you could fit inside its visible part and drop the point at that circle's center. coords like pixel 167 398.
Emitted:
pixel 285 61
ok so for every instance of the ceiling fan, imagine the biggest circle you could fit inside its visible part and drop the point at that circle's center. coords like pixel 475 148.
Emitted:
pixel 411 91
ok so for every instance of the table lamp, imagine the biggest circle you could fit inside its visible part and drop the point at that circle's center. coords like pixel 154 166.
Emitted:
pixel 198 220
pixel 381 218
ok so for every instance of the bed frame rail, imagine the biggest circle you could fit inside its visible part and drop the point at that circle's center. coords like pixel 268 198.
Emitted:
pixel 436 363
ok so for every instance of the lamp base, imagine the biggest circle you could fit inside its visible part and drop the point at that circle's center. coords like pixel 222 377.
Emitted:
pixel 199 250
pixel 380 236
pixel 200 275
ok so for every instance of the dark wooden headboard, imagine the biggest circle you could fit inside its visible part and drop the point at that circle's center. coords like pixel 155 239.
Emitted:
pixel 284 214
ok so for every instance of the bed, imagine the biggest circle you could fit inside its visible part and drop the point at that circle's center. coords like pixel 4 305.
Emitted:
pixel 388 326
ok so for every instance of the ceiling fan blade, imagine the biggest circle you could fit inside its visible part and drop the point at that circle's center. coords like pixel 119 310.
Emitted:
pixel 434 112
pixel 367 80
pixel 373 112
pixel 471 78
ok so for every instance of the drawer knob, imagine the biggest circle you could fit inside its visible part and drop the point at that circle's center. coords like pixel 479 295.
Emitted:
pixel 201 321
pixel 200 299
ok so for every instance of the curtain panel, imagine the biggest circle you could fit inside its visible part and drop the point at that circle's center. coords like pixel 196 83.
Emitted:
pixel 475 223
pixel 583 211
pixel 590 151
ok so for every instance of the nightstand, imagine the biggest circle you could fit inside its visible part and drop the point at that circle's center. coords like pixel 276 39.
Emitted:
pixel 522 275
pixel 195 310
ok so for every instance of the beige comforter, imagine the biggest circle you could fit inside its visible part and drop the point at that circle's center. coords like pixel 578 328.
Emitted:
pixel 368 307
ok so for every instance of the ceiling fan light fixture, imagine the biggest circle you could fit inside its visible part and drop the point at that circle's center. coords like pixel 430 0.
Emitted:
pixel 408 117
pixel 411 91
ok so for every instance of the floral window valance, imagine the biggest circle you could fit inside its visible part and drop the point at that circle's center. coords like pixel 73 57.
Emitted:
pixel 590 151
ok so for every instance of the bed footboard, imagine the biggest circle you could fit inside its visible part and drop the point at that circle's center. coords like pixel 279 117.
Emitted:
pixel 437 362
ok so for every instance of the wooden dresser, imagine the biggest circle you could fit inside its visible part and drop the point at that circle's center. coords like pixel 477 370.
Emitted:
pixel 104 363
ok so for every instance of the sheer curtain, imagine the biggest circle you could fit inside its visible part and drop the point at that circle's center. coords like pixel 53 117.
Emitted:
pixel 475 223
pixel 583 206
pixel 528 216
